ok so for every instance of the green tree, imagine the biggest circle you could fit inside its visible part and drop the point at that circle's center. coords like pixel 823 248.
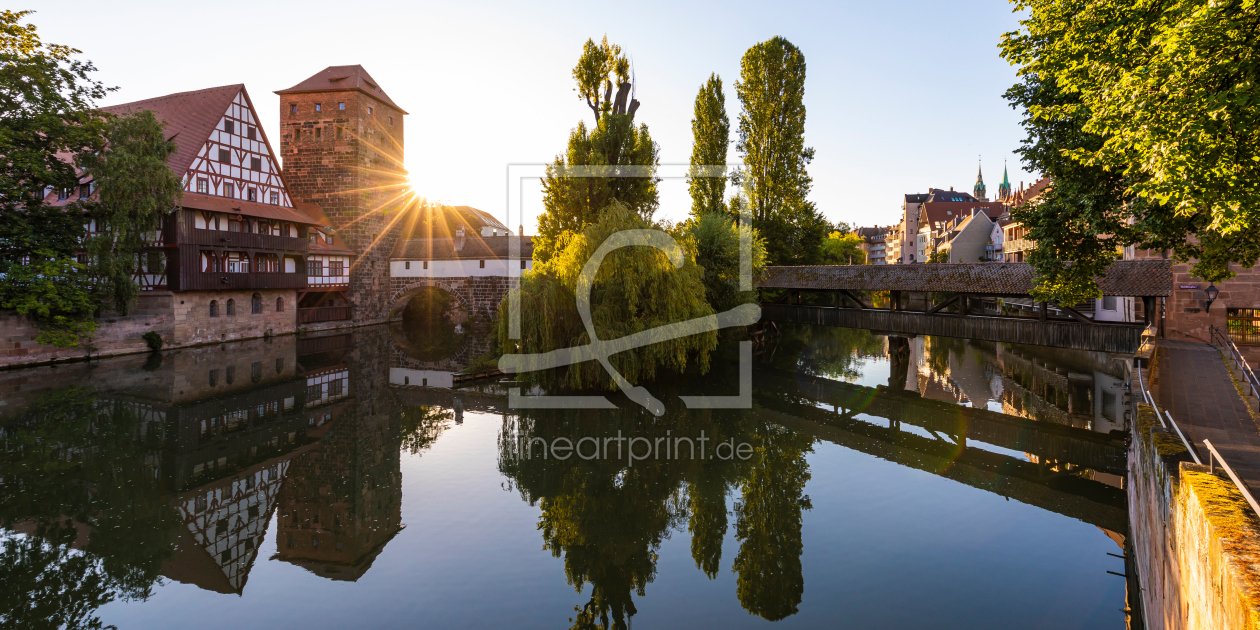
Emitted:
pixel 637 289
pixel 715 239
pixel 711 135
pixel 137 189
pixel 1147 118
pixel 772 141
pixel 843 249
pixel 47 97
pixel 574 190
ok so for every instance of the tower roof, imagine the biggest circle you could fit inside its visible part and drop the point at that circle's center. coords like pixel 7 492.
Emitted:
pixel 341 79
pixel 979 177
pixel 1006 181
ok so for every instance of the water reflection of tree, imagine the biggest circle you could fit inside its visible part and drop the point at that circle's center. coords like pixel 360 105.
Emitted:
pixel 824 350
pixel 608 518
pixel 73 462
pixel 421 425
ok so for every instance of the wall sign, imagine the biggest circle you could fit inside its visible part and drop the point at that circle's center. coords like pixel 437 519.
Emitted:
pixel 1189 286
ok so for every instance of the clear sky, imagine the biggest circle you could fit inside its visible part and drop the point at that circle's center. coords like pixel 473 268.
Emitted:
pixel 900 95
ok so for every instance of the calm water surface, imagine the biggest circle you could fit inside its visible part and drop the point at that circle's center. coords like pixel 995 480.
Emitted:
pixel 341 482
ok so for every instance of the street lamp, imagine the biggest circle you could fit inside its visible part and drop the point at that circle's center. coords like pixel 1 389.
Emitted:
pixel 1212 292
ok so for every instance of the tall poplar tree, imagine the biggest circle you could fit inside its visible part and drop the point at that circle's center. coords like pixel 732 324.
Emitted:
pixel 772 141
pixel 711 133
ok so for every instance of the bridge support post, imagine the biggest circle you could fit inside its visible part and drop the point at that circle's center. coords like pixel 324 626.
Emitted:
pixel 1041 313
pixel 962 305
pixel 894 300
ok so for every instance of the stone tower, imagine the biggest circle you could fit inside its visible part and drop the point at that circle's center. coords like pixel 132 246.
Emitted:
pixel 341 139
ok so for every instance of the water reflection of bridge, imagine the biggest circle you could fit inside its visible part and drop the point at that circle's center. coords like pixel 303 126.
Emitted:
pixel 1057 481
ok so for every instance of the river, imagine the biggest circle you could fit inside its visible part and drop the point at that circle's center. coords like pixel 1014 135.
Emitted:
pixel 341 482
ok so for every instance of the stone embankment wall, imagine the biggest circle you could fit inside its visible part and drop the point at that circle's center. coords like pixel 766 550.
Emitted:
pixel 1196 541
pixel 181 319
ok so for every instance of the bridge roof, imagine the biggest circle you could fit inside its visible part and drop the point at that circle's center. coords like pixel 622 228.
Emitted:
pixel 1135 278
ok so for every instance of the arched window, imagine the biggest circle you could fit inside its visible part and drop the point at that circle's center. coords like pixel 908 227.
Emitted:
pixel 231 308
pixel 279 305
pixel 214 308
pixel 255 304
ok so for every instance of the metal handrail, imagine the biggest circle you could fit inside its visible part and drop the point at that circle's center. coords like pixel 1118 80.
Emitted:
pixel 1150 400
pixel 1230 471
pixel 1252 381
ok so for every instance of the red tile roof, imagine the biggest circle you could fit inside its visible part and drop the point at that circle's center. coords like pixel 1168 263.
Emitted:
pixel 189 118
pixel 340 79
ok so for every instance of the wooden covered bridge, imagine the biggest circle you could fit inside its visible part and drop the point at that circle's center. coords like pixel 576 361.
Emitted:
pixel 985 301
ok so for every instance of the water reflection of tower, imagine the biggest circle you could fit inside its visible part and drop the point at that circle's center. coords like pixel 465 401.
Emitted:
pixel 342 502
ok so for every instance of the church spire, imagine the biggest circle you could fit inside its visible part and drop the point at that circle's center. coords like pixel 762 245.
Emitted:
pixel 978 191
pixel 1004 190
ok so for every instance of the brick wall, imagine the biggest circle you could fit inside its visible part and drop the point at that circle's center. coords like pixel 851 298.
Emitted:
pixel 356 178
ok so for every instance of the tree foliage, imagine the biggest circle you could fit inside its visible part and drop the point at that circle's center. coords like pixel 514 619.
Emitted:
pixel 714 241
pixel 137 189
pixel 843 249
pixel 588 177
pixel 775 181
pixel 46 97
pixel 711 135
pixel 1147 117
pixel 637 289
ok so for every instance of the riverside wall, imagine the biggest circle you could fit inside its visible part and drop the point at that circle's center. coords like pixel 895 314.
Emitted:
pixel 1196 541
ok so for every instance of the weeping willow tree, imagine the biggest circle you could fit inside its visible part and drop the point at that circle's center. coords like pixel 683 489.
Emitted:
pixel 636 289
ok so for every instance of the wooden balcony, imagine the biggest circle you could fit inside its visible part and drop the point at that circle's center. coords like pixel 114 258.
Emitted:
pixel 221 239
pixel 323 314
pixel 202 281
pixel 328 282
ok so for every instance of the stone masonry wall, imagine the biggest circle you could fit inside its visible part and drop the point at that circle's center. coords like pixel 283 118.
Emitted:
pixel 481 295
pixel 194 325
pixel 353 170
pixel 1195 541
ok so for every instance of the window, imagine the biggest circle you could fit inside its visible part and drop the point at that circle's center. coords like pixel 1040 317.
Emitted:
pixel 1243 325
pixel 336 268
pixel 315 268
pixel 255 164
pixel 1109 302
pixel 201 503
pixel 229 191
pixel 63 194
pixel 279 309
pixel 391 121
pixel 341 105
pixel 338 133
pixel 319 107
pixel 85 190
pixel 407 265
pixel 522 264
pixel 255 374
pixel 203 185
pixel 229 374
pixel 251 194
pixel 231 312
pixel 228 126
pixel 483 264
pixel 236 263
pixel 214 312
pixel 225 156
pixel 210 264
pixel 275 198
pixel 319 132
pixel 426 264
pixel 310 237
pixel 292 108
pixel 255 304
pixel 251 133
pixel 369 111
